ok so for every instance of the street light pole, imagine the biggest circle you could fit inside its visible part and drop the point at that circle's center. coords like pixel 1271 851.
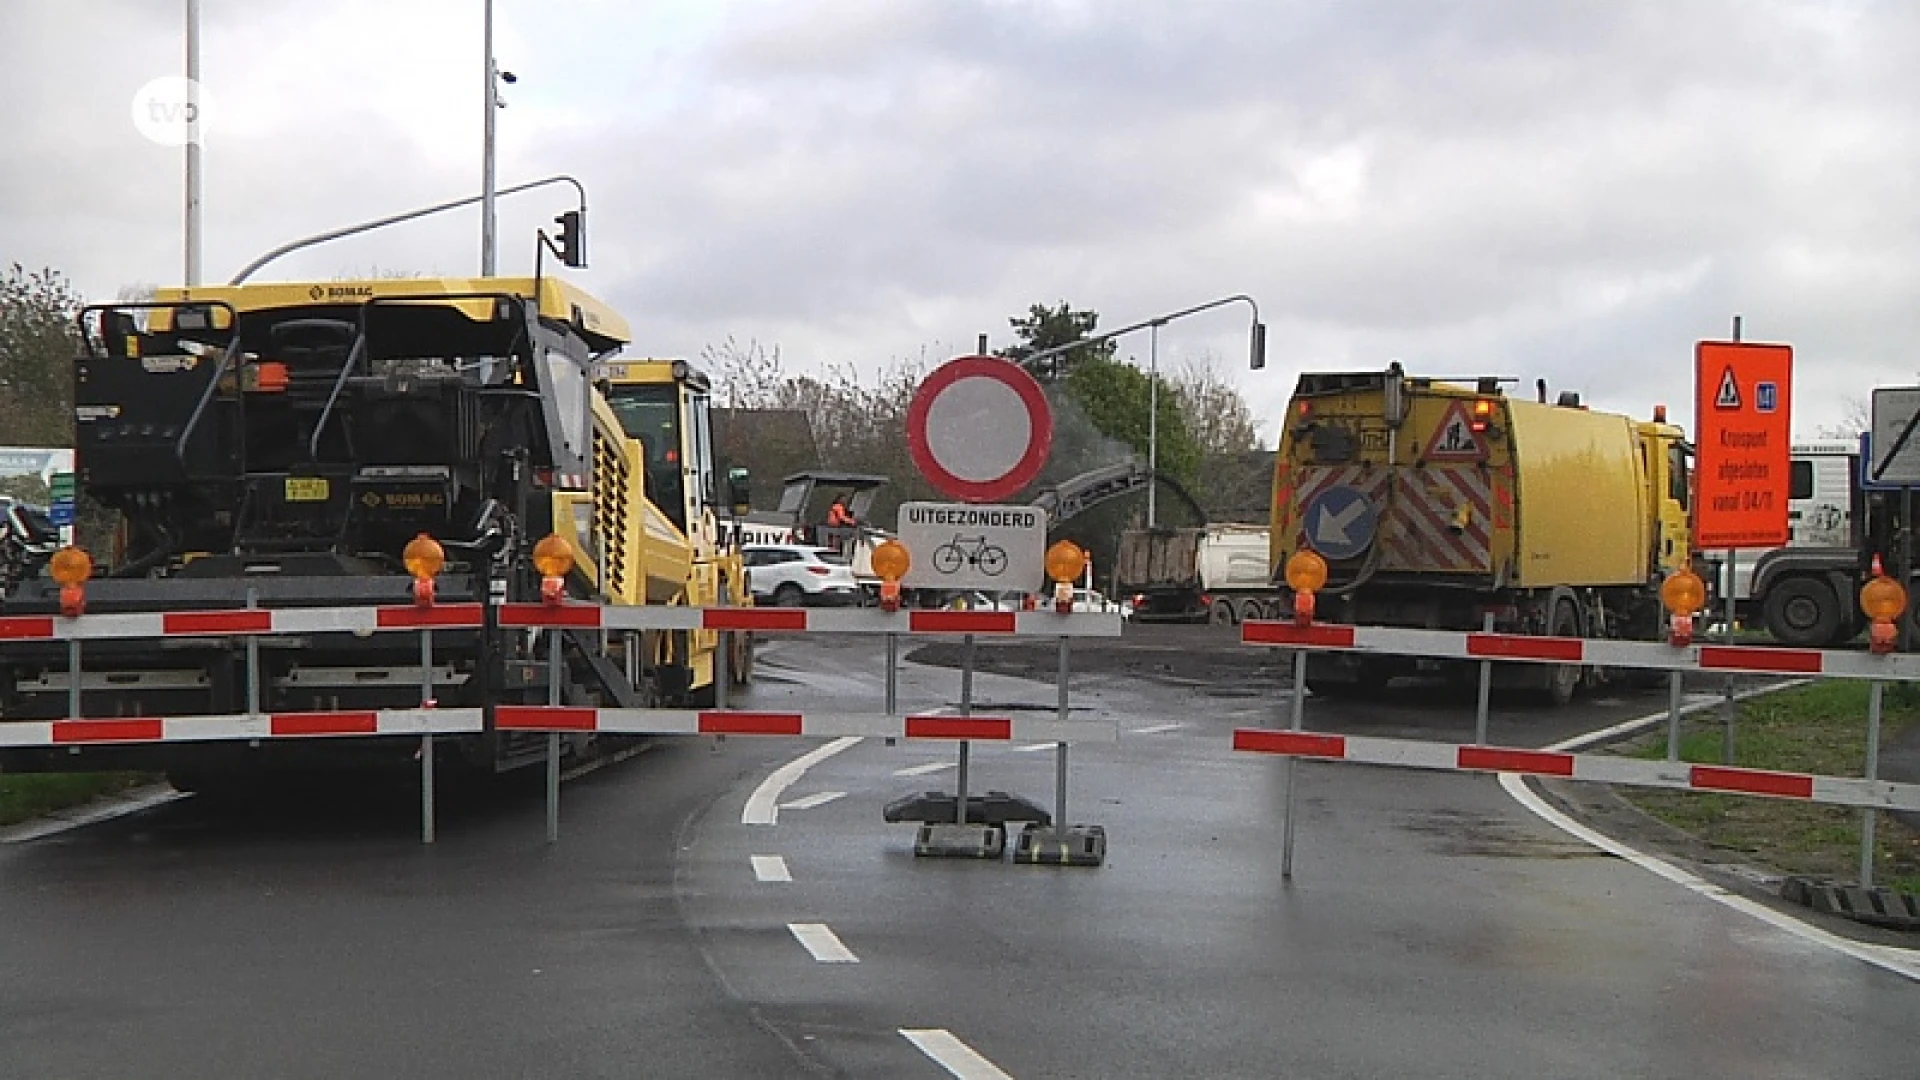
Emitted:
pixel 490 103
pixel 194 130
pixel 1153 413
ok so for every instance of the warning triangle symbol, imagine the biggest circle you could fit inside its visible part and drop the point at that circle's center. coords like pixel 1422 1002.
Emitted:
pixel 1729 395
pixel 1455 439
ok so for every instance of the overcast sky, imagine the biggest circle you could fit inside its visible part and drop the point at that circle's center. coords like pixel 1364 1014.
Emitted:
pixel 1571 190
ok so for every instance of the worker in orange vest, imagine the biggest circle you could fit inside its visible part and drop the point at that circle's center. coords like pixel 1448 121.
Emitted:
pixel 838 516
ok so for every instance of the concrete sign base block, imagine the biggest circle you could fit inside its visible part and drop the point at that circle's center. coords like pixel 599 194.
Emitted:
pixel 960 841
pixel 1075 845
pixel 993 808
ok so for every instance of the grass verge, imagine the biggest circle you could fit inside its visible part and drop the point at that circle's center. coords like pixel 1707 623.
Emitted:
pixel 1819 729
pixel 25 796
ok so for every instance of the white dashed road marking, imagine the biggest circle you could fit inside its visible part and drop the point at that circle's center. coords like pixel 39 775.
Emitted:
pixel 822 943
pixel 771 868
pixel 951 1054
pixel 922 770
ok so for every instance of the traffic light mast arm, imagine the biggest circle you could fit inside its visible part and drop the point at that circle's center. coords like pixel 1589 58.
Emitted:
pixel 1256 343
pixel 411 215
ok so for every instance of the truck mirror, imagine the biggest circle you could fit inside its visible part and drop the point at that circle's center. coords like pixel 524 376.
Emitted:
pixel 739 492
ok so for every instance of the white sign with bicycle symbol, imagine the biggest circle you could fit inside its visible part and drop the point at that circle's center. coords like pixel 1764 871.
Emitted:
pixel 968 546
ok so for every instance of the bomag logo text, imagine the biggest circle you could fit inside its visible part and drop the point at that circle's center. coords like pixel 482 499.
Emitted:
pixel 341 292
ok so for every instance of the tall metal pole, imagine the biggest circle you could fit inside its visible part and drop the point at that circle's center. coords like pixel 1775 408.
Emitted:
pixel 194 130
pixel 1153 414
pixel 1729 708
pixel 490 100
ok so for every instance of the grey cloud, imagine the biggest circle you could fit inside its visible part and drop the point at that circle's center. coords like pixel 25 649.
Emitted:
pixel 1577 190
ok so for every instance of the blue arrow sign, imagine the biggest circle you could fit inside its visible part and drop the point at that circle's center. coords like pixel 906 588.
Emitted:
pixel 1340 522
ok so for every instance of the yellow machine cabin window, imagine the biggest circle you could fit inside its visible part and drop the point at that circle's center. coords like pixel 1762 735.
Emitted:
pixel 1677 480
pixel 651 413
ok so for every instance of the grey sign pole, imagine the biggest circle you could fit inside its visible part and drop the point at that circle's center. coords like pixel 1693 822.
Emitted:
pixel 1060 749
pixel 553 737
pixel 1869 817
pixel 1486 688
pixel 966 709
pixel 426 741
pixel 1674 694
pixel 1299 721
pixel 1727 704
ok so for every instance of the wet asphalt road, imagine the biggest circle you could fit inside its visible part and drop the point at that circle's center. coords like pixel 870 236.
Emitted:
pixel 1432 927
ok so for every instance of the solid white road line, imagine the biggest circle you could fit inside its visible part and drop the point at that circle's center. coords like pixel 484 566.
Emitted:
pixel 1157 729
pixel 822 943
pixel 1034 748
pixel 763 807
pixel 818 798
pixel 951 1054
pixel 1898 961
pixel 771 868
pixel 922 770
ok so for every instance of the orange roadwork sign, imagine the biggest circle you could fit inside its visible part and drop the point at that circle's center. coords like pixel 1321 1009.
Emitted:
pixel 1743 395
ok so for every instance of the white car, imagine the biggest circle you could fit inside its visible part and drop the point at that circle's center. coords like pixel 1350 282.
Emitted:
pixel 1088 600
pixel 797 575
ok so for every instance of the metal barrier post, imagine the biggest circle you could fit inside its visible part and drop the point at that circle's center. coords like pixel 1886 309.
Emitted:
pixel 893 675
pixel 1486 687
pixel 253 658
pixel 553 737
pixel 426 741
pixel 1727 705
pixel 73 678
pixel 720 672
pixel 1299 723
pixel 966 709
pixel 1869 816
pixel 1674 695
pixel 1060 750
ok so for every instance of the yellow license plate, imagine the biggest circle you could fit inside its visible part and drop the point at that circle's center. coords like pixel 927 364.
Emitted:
pixel 307 489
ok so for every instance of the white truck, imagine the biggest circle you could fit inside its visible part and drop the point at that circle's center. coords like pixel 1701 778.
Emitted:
pixel 1217 573
pixel 1807 593
pixel 1823 488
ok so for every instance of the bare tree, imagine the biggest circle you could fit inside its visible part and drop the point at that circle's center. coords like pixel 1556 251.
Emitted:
pixel 751 376
pixel 1855 417
pixel 1218 418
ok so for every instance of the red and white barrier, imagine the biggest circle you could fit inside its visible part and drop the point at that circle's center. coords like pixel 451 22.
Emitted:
pixel 242 622
pixel 803 725
pixel 248 726
pixel 814 620
pixel 1475 645
pixel 1601 768
pixel 366 620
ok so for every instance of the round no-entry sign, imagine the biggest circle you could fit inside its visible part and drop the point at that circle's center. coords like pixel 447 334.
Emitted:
pixel 979 428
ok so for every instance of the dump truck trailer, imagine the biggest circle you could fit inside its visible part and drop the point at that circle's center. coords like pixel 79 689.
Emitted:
pixel 1218 573
pixel 282 445
pixel 1440 504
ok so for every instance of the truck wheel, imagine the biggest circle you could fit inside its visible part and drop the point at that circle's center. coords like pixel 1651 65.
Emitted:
pixel 1563 680
pixel 1802 612
pixel 1221 613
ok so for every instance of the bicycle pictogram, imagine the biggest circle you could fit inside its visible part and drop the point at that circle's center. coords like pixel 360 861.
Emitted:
pixel 971 551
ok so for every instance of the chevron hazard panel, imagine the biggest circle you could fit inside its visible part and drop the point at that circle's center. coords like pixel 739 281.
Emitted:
pixel 1439 519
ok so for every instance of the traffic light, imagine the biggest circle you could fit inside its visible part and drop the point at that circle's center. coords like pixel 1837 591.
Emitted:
pixel 571 245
